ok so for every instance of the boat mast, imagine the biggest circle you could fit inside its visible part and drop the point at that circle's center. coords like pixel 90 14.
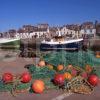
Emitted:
pixel 59 33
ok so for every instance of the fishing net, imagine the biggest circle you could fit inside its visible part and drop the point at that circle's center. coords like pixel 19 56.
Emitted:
pixel 80 58
pixel 77 59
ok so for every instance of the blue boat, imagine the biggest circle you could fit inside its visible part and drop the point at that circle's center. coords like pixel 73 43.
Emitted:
pixel 60 44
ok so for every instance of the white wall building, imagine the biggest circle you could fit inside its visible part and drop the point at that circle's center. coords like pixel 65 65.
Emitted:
pixel 88 32
pixel 66 31
pixel 35 33
pixel 88 29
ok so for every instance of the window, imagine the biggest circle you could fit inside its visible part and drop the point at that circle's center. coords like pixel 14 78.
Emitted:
pixel 91 31
pixel 35 33
pixel 64 29
pixel 85 31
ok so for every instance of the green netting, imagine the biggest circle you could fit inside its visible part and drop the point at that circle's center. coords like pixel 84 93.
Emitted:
pixel 23 86
pixel 10 87
pixel 54 58
pixel 5 87
pixel 80 58
pixel 41 72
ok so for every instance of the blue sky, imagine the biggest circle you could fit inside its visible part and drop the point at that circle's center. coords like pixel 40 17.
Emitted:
pixel 15 13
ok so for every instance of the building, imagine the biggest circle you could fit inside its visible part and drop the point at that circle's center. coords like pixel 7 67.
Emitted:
pixel 28 28
pixel 6 35
pixel 12 33
pixel 88 30
pixel 69 31
pixel 1 35
pixel 28 31
pixel 43 25
pixel 97 28
pixel 22 34
pixel 52 32
pixel 39 32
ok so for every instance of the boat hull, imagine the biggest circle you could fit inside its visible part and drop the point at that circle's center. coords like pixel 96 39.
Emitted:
pixel 10 45
pixel 67 46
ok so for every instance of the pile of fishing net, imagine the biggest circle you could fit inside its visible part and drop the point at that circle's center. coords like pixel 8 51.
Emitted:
pixel 80 58
pixel 84 63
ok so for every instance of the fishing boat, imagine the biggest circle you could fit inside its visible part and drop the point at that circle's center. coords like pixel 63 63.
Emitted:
pixel 61 43
pixel 9 43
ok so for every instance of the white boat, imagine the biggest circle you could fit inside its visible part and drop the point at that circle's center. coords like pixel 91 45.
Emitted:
pixel 59 42
pixel 9 42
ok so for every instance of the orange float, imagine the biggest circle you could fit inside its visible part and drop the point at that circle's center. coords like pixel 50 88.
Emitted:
pixel 88 68
pixel 38 86
pixel 41 63
pixel 67 76
pixel 7 77
pixel 70 67
pixel 60 67
pixel 98 54
pixel 26 77
pixel 50 66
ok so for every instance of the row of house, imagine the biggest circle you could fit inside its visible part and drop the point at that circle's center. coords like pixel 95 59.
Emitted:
pixel 86 29
pixel 44 30
pixel 27 31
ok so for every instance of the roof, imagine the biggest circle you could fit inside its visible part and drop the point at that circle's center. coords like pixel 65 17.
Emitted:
pixel 75 27
pixel 87 25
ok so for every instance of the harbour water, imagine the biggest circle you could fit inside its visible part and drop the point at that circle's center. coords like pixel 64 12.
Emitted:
pixel 31 47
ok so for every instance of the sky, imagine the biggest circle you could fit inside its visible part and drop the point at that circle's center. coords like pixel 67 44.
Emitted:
pixel 15 13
